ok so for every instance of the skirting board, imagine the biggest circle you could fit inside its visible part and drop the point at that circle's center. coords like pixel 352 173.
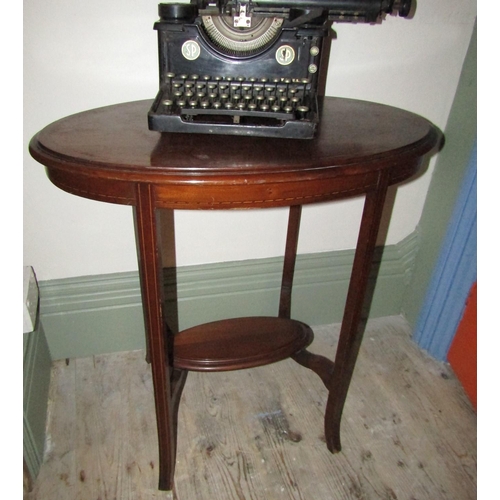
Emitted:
pixel 92 315
pixel 36 381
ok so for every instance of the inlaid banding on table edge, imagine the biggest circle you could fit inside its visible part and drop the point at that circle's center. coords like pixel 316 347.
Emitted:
pixel 165 201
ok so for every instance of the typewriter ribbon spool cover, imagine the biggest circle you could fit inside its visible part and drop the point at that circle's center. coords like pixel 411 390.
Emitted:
pixel 251 67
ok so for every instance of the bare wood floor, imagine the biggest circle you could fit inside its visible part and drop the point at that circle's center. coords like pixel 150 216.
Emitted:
pixel 408 430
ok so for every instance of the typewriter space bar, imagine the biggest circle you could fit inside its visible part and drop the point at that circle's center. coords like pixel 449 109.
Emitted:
pixel 277 115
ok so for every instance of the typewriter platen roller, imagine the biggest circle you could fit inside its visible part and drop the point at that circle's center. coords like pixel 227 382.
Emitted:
pixel 249 67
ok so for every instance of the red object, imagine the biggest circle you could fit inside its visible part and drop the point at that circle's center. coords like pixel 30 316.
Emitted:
pixel 463 351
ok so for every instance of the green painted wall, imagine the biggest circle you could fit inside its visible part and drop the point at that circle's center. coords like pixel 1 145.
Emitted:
pixel 460 135
pixel 36 381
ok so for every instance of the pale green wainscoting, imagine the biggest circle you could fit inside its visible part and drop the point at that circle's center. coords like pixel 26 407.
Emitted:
pixel 97 314
pixel 36 380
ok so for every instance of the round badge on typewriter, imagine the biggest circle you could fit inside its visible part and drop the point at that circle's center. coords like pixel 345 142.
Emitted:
pixel 191 50
pixel 285 55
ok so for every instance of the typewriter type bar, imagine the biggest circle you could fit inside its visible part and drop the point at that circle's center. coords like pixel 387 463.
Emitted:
pixel 248 67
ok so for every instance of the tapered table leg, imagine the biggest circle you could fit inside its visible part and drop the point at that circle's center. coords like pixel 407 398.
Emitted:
pixel 352 330
pixel 150 271
pixel 292 240
pixel 319 364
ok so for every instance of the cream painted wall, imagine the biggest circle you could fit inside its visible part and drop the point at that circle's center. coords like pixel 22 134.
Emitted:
pixel 80 55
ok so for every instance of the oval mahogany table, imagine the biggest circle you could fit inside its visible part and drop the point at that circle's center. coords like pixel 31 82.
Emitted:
pixel 108 154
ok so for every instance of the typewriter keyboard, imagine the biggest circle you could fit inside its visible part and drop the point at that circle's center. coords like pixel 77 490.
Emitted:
pixel 201 97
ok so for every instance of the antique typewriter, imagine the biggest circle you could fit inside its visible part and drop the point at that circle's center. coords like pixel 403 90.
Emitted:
pixel 249 67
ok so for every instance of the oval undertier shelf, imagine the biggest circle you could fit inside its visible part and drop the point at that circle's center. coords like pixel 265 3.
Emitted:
pixel 233 344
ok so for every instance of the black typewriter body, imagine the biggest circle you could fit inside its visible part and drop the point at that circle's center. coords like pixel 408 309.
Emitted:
pixel 247 68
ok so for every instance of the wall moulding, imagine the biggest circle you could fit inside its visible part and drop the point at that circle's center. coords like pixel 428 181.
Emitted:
pixel 90 315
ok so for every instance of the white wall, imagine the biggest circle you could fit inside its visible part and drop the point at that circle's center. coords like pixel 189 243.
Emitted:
pixel 80 55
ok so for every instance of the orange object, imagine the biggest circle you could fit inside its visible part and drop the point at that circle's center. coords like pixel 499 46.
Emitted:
pixel 463 351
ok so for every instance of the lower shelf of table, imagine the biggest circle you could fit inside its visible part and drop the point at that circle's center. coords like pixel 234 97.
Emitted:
pixel 234 344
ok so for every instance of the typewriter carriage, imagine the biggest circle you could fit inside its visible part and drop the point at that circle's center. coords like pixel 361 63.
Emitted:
pixel 253 67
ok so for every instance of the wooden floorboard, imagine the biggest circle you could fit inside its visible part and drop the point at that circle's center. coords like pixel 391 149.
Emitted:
pixel 408 430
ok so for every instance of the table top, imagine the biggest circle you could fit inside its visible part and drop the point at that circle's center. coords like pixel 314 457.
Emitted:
pixel 103 153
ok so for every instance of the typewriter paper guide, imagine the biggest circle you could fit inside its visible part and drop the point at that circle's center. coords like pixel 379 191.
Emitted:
pixel 250 68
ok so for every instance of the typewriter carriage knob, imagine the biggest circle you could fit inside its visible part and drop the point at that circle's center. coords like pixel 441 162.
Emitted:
pixel 177 12
pixel 403 7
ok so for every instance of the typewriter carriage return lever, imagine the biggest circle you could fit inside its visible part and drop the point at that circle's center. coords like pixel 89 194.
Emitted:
pixel 249 67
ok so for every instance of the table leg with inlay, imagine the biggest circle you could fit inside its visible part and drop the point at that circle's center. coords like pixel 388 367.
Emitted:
pixel 167 381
